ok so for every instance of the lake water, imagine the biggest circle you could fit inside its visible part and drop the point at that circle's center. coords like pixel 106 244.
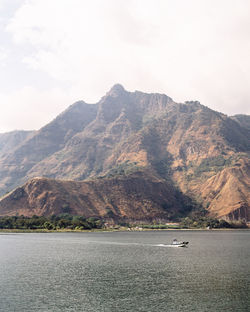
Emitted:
pixel 125 271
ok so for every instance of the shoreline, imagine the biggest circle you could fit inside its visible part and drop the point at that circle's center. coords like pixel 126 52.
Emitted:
pixel 112 230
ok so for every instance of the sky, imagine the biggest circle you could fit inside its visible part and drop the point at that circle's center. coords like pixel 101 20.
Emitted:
pixel 56 52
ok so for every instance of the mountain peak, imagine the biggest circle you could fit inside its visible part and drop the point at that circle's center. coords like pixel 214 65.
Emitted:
pixel 116 90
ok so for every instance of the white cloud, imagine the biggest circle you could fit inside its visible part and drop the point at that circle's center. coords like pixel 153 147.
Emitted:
pixel 3 56
pixel 30 108
pixel 194 49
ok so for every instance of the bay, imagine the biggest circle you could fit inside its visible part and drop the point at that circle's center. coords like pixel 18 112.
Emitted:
pixel 125 271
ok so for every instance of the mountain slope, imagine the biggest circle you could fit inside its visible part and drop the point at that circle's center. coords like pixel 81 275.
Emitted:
pixel 243 120
pixel 231 192
pixel 119 117
pixel 51 138
pixel 12 140
pixel 139 196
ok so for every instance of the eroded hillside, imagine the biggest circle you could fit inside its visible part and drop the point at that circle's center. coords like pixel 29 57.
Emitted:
pixel 137 196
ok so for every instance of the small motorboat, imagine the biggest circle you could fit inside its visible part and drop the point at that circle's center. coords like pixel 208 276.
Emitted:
pixel 175 243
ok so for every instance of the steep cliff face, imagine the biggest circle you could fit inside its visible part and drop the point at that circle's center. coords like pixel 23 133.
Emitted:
pixel 187 145
pixel 227 193
pixel 138 196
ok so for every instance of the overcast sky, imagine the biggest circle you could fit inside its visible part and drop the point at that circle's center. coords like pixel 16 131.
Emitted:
pixel 55 52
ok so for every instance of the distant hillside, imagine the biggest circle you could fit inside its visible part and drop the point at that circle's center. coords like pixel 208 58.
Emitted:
pixel 9 141
pixel 138 196
pixel 201 153
pixel 243 120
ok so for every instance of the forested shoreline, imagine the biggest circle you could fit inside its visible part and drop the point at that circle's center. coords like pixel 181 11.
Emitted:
pixel 72 222
pixel 63 221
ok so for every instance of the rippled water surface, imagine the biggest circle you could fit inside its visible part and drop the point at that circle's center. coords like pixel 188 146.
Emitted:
pixel 116 272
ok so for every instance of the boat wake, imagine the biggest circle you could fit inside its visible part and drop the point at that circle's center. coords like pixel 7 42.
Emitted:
pixel 163 245
pixel 136 244
pixel 175 243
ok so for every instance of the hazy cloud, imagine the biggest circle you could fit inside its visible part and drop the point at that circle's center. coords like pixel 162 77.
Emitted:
pixel 3 56
pixel 30 108
pixel 194 49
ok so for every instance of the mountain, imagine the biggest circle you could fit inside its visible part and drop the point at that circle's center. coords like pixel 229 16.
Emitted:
pixel 202 154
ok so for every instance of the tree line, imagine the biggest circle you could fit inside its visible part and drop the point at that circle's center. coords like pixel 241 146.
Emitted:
pixel 71 222
pixel 50 223
pixel 212 223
